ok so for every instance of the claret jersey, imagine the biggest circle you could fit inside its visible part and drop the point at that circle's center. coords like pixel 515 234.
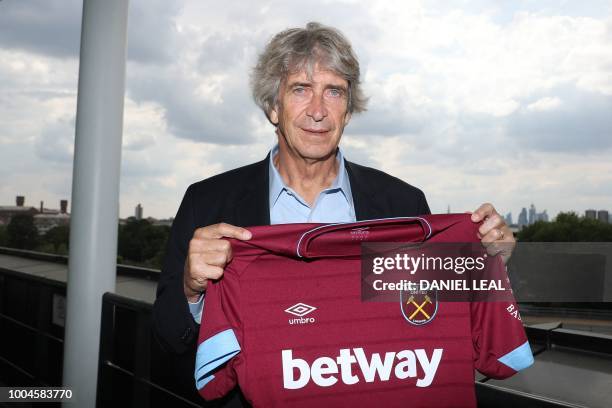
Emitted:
pixel 287 324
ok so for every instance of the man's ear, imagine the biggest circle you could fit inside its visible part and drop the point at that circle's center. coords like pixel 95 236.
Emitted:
pixel 347 118
pixel 273 115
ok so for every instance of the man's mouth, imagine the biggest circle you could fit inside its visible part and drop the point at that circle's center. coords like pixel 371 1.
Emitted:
pixel 315 130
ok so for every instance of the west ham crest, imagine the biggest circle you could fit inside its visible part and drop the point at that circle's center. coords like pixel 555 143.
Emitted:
pixel 419 307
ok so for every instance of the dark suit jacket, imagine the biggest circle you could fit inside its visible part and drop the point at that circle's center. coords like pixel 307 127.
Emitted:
pixel 241 197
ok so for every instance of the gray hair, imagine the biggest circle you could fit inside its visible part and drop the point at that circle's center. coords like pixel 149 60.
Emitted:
pixel 299 49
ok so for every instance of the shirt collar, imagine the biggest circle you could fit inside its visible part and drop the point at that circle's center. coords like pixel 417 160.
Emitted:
pixel 341 182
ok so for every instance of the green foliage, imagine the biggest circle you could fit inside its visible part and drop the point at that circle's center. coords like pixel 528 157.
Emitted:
pixel 21 232
pixel 62 249
pixel 567 227
pixel 58 237
pixel 142 243
pixel 3 236
pixel 45 247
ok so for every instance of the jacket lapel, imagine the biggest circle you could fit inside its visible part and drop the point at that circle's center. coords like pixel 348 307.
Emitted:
pixel 367 205
pixel 253 206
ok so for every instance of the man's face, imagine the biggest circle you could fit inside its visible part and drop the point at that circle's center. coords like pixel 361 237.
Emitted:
pixel 311 113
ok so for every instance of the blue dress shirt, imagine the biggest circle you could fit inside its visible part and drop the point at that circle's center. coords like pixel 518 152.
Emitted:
pixel 334 204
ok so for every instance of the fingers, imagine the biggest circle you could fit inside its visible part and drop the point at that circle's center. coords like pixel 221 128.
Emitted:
pixel 493 222
pixel 208 254
pixel 494 244
pixel 494 234
pixel 213 258
pixel 222 230
pixel 482 212
pixel 491 241
pixel 491 219
pixel 196 280
pixel 205 267
pixel 198 245
pixel 199 269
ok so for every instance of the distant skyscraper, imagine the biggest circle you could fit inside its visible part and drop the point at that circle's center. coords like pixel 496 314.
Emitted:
pixel 543 216
pixel 532 214
pixel 603 216
pixel 591 214
pixel 138 212
pixel 508 218
pixel 522 219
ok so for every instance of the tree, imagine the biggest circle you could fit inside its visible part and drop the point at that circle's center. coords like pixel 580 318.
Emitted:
pixel 3 236
pixel 158 260
pixel 567 227
pixel 22 234
pixel 58 237
pixel 141 242
pixel 130 240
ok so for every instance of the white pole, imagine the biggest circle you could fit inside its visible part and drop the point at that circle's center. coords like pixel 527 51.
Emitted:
pixel 95 190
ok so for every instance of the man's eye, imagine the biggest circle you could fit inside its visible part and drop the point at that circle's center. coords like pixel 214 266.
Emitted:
pixel 335 92
pixel 299 90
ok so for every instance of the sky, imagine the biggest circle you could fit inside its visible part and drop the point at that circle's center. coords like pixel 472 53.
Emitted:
pixel 508 102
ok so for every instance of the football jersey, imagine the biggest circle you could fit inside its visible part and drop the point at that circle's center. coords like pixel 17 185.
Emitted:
pixel 288 325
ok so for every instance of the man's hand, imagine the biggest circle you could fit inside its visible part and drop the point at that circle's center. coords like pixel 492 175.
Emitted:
pixel 494 234
pixel 207 256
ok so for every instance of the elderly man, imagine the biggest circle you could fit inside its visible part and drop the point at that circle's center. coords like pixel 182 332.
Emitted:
pixel 307 82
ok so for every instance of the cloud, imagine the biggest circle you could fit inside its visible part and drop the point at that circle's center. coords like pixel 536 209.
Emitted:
pixel 56 142
pixel 153 36
pixel 582 123
pixel 219 52
pixel 471 101
pixel 205 94
pixel 211 109
pixel 143 125
pixel 53 28
pixel 544 104
pixel 48 27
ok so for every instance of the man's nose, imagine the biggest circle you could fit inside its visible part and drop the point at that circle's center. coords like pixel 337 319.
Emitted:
pixel 316 108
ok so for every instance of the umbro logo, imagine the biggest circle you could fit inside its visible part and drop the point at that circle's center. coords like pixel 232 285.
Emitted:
pixel 301 310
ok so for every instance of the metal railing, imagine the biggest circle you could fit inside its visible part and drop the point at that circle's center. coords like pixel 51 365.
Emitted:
pixel 133 370
pixel 31 344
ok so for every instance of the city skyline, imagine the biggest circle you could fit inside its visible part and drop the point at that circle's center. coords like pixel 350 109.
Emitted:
pixel 470 101
pixel 530 215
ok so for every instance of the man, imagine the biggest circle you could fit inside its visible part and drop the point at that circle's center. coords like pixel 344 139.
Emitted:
pixel 307 82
